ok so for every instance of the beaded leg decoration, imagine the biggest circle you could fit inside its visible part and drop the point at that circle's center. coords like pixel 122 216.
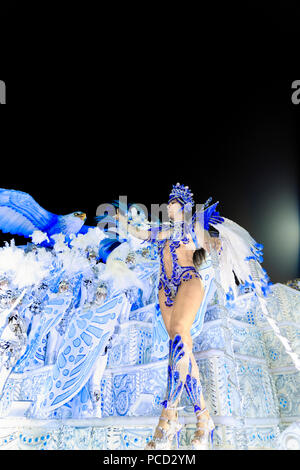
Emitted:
pixel 177 372
pixel 203 436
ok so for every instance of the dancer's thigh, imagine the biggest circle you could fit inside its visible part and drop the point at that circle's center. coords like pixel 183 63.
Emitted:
pixel 187 303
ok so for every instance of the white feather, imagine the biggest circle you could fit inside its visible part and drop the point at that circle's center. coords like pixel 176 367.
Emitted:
pixel 73 262
pixel 117 271
pixel 38 237
pixel 25 269
pixel 89 240
pixel 236 247
pixel 121 275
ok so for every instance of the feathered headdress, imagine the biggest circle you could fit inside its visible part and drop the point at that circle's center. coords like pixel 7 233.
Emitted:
pixel 183 194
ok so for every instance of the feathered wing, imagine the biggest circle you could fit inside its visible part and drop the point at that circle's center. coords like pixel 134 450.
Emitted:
pixel 85 341
pixel 242 255
pixel 21 215
pixel 238 248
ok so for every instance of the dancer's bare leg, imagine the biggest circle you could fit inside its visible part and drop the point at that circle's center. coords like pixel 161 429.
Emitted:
pixel 188 300
pixel 187 303
pixel 179 320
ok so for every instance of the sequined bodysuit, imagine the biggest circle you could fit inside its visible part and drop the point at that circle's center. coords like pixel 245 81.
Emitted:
pixel 179 273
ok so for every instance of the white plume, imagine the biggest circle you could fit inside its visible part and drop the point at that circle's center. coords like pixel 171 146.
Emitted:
pixel 117 270
pixel 24 269
pixel 236 247
pixel 60 245
pixel 72 261
pixel 122 276
pixel 91 239
pixel 38 237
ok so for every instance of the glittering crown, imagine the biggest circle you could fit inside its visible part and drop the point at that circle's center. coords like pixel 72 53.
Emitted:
pixel 183 194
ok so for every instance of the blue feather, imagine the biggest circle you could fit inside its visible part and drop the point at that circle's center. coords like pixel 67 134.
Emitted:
pixel 84 229
pixel 106 246
pixel 208 216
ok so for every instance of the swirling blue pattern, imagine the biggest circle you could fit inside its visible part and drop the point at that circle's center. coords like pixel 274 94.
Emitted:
pixel 175 384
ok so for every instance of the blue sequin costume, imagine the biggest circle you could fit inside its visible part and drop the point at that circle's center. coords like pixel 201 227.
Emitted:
pixel 178 236
pixel 179 273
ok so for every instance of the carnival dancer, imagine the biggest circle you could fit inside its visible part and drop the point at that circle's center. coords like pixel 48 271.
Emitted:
pixel 181 249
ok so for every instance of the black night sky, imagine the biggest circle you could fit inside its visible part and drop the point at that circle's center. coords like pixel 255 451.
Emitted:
pixel 81 139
